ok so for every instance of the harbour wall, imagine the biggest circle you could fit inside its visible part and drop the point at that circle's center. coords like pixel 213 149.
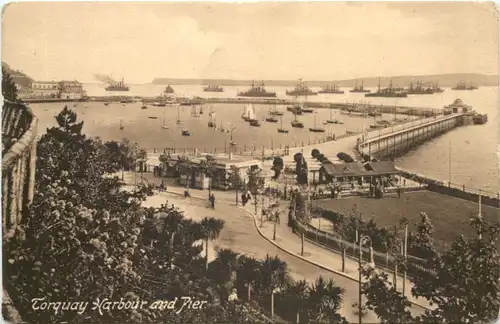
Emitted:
pixel 414 111
pixel 455 190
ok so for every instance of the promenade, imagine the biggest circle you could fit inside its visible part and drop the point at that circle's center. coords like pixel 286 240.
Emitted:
pixel 242 233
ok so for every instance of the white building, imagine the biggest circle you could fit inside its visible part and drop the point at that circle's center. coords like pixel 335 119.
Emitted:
pixel 45 89
pixel 71 90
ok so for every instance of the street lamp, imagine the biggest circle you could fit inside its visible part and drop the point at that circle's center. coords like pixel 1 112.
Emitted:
pixel 274 291
pixel 363 240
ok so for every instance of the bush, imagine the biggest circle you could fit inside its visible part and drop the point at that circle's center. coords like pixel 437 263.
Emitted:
pixel 345 157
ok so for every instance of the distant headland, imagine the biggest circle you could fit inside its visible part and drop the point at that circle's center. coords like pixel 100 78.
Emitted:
pixel 445 80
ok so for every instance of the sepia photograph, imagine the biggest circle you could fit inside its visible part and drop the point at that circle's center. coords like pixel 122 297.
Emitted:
pixel 265 162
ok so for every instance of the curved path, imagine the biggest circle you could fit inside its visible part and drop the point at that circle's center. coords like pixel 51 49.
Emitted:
pixel 240 235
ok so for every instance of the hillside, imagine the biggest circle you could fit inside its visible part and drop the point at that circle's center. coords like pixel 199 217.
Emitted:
pixel 19 77
pixel 444 80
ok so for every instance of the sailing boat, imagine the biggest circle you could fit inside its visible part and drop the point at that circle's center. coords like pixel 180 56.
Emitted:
pixel 253 118
pixel 275 112
pixel 121 124
pixel 247 112
pixel 304 107
pixel 211 123
pixel 271 118
pixel 201 110
pixel 178 115
pixel 316 129
pixel 231 141
pixel 332 121
pixel 144 106
pixel 164 126
pixel 194 113
pixel 296 123
pixel 281 129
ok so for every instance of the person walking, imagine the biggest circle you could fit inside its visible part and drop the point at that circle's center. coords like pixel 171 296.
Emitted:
pixel 212 201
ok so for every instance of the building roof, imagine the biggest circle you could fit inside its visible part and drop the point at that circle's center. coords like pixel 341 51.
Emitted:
pixel 221 160
pixel 356 169
pixel 382 167
pixel 46 82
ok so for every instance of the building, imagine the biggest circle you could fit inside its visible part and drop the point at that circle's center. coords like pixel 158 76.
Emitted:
pixel 223 163
pixel 357 173
pixel 458 106
pixel 71 90
pixel 45 89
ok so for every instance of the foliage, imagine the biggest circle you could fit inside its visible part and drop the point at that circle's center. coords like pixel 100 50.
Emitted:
pixel 382 298
pixel 345 157
pixel 253 179
pixel 234 178
pixel 325 298
pixel 301 168
pixel 85 237
pixel 314 153
pixel 465 287
pixel 9 89
pixel 422 244
pixel 277 167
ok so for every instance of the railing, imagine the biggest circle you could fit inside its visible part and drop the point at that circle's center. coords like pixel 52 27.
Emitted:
pixel 457 190
pixel 19 129
pixel 254 150
pixel 415 266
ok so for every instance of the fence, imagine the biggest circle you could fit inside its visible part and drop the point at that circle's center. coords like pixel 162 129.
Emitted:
pixel 455 190
pixel 254 151
pixel 415 266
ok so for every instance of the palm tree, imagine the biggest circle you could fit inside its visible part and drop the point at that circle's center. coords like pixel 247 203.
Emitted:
pixel 235 180
pixel 324 300
pixel 252 178
pixel 249 272
pixel 298 294
pixel 207 167
pixel 184 167
pixel 275 273
pixel 210 229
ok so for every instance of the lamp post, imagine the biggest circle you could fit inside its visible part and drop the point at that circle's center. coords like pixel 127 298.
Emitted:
pixel 362 240
pixel 274 291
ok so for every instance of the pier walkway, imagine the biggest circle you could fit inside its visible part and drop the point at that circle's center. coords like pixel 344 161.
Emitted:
pixel 392 141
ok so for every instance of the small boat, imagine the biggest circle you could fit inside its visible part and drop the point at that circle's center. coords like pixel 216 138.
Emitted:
pixel 153 117
pixel 307 110
pixel 178 115
pixel 185 132
pixel 121 125
pixel 106 103
pixel 164 126
pixel 281 129
pixel 144 107
pixel 201 110
pixel 297 124
pixel 232 143
pixel 271 119
pixel 316 129
pixel 254 122
pixel 74 105
pixel 331 120
pixel 194 112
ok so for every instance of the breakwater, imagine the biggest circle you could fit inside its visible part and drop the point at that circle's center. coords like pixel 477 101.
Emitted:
pixel 386 109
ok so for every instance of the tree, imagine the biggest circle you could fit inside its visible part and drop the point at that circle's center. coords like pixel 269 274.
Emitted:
pixel 9 89
pixel 253 179
pixel 422 243
pixel 324 301
pixel 297 294
pixel 277 167
pixel 142 157
pixel 223 270
pixel 345 157
pixel 341 228
pixel 300 168
pixel 383 298
pixel 275 274
pixel 315 153
pixel 207 167
pixel 248 273
pixel 463 282
pixel 235 180
pixel 210 229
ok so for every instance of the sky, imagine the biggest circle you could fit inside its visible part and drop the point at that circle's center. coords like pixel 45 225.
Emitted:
pixel 272 41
